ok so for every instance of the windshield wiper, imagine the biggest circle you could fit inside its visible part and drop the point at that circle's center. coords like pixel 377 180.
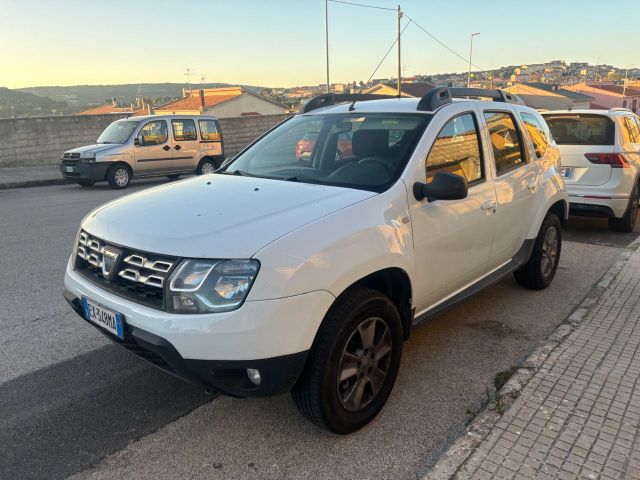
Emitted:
pixel 300 178
pixel 237 172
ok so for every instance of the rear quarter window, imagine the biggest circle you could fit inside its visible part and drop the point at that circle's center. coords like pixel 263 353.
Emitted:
pixel 581 129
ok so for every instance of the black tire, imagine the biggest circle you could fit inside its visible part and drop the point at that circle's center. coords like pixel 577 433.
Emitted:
pixel 319 394
pixel 119 176
pixel 627 223
pixel 86 183
pixel 173 176
pixel 538 272
pixel 207 165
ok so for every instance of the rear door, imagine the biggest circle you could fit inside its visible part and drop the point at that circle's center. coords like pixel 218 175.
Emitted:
pixel 582 136
pixel 210 139
pixel 185 144
pixel 516 183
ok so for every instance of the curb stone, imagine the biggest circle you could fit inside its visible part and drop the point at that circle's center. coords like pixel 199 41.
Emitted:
pixel 33 183
pixel 454 458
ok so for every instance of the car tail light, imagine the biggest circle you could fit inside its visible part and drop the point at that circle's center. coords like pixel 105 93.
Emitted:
pixel 616 160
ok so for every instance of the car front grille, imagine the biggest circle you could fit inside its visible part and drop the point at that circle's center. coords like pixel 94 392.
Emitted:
pixel 70 159
pixel 132 274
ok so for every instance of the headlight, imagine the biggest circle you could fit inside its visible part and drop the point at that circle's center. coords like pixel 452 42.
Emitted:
pixel 74 251
pixel 88 157
pixel 207 286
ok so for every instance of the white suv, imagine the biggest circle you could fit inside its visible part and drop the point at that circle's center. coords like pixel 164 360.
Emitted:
pixel 600 152
pixel 286 273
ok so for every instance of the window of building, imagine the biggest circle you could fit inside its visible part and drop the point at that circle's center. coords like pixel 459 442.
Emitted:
pixel 507 148
pixel 457 150
pixel 209 131
pixel 154 133
pixel 536 133
pixel 184 130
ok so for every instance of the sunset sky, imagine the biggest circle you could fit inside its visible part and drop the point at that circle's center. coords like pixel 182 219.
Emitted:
pixel 281 43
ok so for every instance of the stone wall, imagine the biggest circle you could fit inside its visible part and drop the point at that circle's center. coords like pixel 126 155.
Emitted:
pixel 42 140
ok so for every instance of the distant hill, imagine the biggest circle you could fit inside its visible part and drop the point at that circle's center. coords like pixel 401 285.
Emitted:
pixel 29 104
pixel 83 96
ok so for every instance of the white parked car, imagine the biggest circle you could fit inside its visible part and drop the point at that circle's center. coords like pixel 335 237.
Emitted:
pixel 286 273
pixel 600 151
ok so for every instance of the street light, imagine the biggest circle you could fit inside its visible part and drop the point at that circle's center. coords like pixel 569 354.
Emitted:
pixel 470 55
pixel 624 85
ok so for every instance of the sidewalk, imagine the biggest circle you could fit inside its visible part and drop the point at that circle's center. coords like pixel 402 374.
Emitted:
pixel 579 414
pixel 17 177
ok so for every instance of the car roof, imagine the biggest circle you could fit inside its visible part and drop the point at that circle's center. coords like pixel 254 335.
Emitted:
pixel 398 105
pixel 140 118
pixel 608 113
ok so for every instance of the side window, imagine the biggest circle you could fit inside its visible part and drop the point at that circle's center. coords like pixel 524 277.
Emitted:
pixel 507 150
pixel 184 130
pixel 457 150
pixel 209 131
pixel 154 133
pixel 632 134
pixel 536 133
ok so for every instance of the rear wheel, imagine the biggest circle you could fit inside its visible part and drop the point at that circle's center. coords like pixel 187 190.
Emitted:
pixel 119 176
pixel 86 183
pixel 539 271
pixel 207 165
pixel 353 363
pixel 627 223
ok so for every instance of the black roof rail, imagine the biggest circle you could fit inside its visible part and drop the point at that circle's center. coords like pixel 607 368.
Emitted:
pixel 327 99
pixel 441 96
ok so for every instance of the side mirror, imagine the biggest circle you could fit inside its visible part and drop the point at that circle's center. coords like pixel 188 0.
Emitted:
pixel 445 186
pixel 138 140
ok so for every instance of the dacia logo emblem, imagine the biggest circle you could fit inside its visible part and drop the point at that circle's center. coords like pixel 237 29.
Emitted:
pixel 110 259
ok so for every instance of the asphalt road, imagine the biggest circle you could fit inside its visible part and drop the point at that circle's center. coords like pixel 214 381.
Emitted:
pixel 72 403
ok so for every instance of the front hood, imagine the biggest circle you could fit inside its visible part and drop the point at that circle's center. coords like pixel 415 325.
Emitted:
pixel 215 216
pixel 95 148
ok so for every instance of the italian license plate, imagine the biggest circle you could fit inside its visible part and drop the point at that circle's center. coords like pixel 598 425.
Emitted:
pixel 68 169
pixel 104 317
pixel 566 172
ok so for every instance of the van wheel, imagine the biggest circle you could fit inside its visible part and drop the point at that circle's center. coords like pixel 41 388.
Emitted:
pixel 353 363
pixel 539 271
pixel 627 223
pixel 207 165
pixel 86 183
pixel 119 176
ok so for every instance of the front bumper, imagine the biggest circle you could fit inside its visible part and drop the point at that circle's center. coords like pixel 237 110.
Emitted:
pixel 278 374
pixel 94 172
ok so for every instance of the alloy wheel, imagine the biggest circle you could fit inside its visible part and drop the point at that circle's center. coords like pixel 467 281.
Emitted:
pixel 549 251
pixel 207 167
pixel 364 364
pixel 122 177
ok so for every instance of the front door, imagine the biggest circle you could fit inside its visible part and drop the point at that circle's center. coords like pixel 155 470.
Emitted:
pixel 152 149
pixel 452 238
pixel 185 144
pixel 516 184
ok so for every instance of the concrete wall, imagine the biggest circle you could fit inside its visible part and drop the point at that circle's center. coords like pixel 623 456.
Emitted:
pixel 42 140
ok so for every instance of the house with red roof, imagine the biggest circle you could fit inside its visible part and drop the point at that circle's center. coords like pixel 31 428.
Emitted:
pixel 221 102
pixel 115 109
pixel 606 96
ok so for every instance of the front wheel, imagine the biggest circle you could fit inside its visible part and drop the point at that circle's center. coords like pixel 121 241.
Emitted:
pixel 119 176
pixel 353 363
pixel 627 223
pixel 539 271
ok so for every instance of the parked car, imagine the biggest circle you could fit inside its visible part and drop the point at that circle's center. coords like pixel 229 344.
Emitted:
pixel 600 152
pixel 147 146
pixel 305 145
pixel 274 275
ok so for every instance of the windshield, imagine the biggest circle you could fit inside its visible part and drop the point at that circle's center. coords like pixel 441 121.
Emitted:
pixel 581 129
pixel 118 132
pixel 365 150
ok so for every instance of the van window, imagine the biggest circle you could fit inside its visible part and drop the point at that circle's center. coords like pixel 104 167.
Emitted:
pixel 154 133
pixel 581 129
pixel 507 149
pixel 457 150
pixel 536 133
pixel 184 129
pixel 209 131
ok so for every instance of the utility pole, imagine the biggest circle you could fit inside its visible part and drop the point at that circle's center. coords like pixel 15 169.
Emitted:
pixel 470 55
pixel 326 39
pixel 624 86
pixel 399 56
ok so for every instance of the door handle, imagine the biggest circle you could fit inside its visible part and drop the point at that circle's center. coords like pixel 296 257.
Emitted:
pixel 166 147
pixel 489 205
pixel 177 147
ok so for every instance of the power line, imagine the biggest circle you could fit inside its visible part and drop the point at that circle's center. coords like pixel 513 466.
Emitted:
pixel 385 56
pixel 441 42
pixel 363 5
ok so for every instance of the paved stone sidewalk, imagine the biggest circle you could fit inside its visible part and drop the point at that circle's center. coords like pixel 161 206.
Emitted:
pixel 14 177
pixel 579 415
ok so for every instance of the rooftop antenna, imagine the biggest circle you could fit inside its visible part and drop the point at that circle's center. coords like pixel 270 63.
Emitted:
pixel 188 75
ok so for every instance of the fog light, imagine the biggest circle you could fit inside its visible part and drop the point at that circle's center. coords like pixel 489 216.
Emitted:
pixel 254 376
